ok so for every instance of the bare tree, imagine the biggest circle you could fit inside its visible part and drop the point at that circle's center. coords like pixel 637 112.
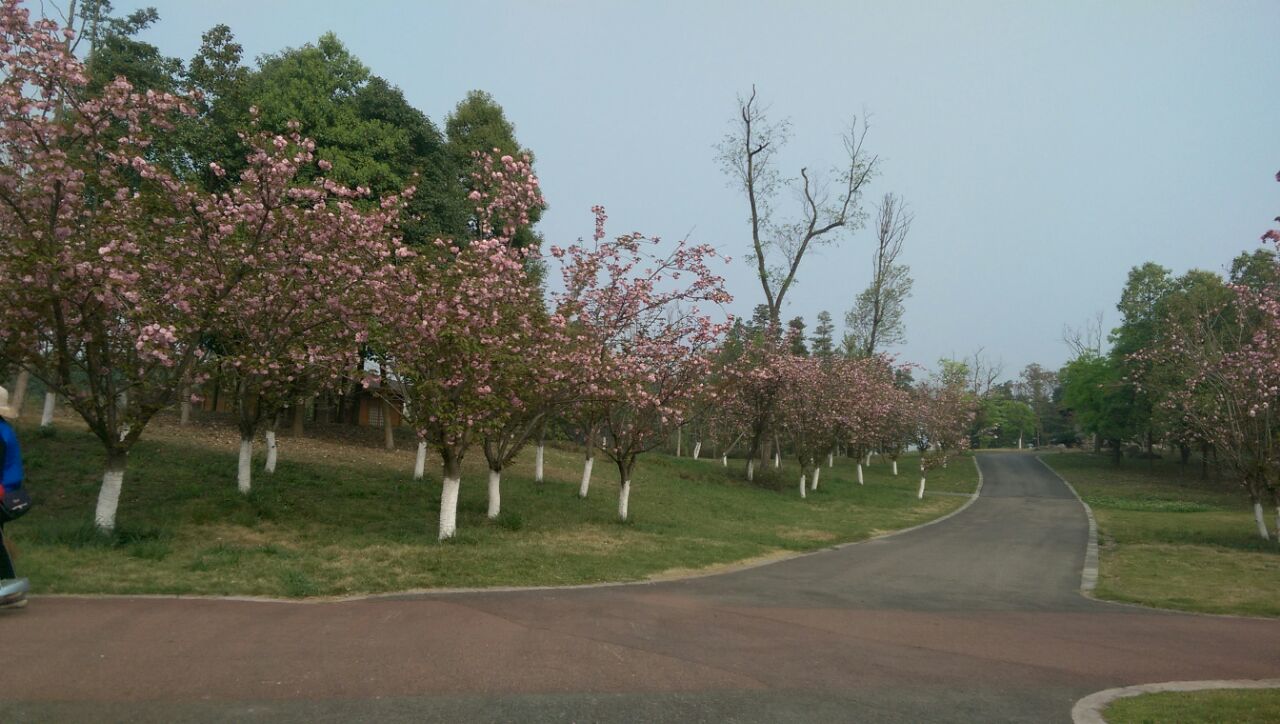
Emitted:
pixel 747 155
pixel 1085 339
pixel 983 372
pixel 875 321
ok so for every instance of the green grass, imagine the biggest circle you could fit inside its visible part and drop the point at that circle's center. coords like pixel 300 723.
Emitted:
pixel 345 517
pixel 1229 706
pixel 1172 540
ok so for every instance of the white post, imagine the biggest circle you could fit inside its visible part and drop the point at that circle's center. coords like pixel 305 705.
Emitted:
pixel 586 477
pixel 271 451
pixel 495 493
pixel 624 498
pixel 1262 521
pixel 860 481
pixel 802 485
pixel 816 472
pixel 449 508
pixel 920 495
pixel 245 476
pixel 697 448
pixel 537 463
pixel 420 464
pixel 50 403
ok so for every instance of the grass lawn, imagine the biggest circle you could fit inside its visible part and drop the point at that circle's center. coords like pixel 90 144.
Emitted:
pixel 1229 706
pixel 1171 540
pixel 345 517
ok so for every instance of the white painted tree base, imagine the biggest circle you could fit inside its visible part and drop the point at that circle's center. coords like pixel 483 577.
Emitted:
pixel 271 452
pixel 537 463
pixel 50 403
pixel 831 460
pixel 802 486
pixel 244 477
pixel 724 460
pixel 895 468
pixel 751 470
pixel 816 472
pixel 1261 520
pixel 920 495
pixel 420 463
pixel 449 508
pixel 108 500
pixel 860 481
pixel 624 500
pixel 777 460
pixel 697 448
pixel 495 493
pixel 585 486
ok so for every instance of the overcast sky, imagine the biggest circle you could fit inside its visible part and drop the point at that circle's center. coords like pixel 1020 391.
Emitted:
pixel 1045 148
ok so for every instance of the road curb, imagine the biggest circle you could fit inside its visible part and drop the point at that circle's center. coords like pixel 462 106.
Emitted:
pixel 1089 709
pixel 1089 575
pixel 427 592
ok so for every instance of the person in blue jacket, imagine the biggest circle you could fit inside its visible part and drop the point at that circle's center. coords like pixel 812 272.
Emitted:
pixel 12 589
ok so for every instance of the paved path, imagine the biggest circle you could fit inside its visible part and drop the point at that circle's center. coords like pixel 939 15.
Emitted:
pixel 976 618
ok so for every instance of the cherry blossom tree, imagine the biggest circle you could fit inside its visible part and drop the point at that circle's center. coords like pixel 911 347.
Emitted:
pixel 460 324
pixel 112 270
pixel 945 414
pixel 638 319
pixel 299 319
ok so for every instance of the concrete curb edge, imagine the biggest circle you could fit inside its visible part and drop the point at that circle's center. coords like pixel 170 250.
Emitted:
pixel 1089 709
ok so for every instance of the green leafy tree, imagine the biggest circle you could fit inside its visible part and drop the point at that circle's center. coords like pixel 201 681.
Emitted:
pixel 1093 388
pixel 822 339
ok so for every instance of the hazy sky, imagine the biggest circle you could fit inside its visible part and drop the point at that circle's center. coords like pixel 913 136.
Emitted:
pixel 1045 148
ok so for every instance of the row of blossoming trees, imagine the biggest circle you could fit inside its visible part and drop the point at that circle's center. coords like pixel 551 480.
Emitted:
pixel 126 285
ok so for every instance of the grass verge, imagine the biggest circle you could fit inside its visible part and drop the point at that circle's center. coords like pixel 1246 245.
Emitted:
pixel 345 517
pixel 1227 706
pixel 1171 540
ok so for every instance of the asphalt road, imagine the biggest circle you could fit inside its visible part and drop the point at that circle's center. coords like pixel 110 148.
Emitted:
pixel 977 618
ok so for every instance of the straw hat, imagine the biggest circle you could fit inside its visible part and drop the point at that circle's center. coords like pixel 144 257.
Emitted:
pixel 5 410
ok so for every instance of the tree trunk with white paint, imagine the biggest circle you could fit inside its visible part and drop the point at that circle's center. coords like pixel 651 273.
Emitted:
pixel 420 463
pixel 831 460
pixel 817 470
pixel 679 441
pixel 724 460
pixel 495 493
pixel 624 500
pixel 271 451
pixel 697 448
pixel 244 478
pixel 538 457
pixel 895 468
pixel 1261 520
pixel 751 470
pixel 802 486
pixel 50 404
pixel 104 516
pixel 586 477
pixel 1019 441
pixel 860 481
pixel 449 508
pixel 777 459
pixel 388 428
pixel 868 458
pixel 920 495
